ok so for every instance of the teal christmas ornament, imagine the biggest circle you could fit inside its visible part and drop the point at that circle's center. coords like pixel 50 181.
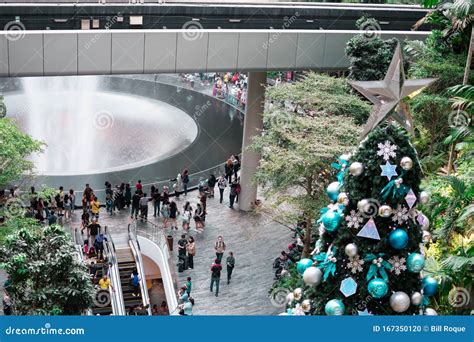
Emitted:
pixel 333 190
pixel 334 307
pixel 429 285
pixel 331 220
pixel 303 264
pixel 377 288
pixel 415 262
pixel 398 239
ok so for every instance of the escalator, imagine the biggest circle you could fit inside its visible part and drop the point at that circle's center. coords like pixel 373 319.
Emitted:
pixel 126 264
pixel 108 302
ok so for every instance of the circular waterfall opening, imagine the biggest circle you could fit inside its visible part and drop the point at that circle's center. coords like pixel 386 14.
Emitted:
pixel 88 130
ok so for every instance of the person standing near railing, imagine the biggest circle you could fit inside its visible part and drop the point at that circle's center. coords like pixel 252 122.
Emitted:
pixel 135 205
pixel 185 179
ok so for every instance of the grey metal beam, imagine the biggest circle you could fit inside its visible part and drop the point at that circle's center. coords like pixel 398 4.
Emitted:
pixel 104 52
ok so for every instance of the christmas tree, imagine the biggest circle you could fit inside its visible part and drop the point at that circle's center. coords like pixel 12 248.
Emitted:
pixel 369 257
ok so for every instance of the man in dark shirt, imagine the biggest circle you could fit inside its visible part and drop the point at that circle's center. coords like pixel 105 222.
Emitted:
pixel 216 269
pixel 93 230
pixel 135 204
pixel 230 262
pixel 182 245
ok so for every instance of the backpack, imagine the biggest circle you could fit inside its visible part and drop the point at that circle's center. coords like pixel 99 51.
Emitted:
pixel 135 280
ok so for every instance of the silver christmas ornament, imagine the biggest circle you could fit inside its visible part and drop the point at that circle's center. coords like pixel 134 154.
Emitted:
pixel 297 293
pixel 430 312
pixel 343 199
pixel 424 197
pixel 385 211
pixel 350 250
pixel 306 305
pixel 416 298
pixel 312 276
pixel 406 163
pixel 356 169
pixel 426 236
pixel 399 301
pixel 289 298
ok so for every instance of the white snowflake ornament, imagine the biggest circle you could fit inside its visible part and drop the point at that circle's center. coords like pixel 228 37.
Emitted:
pixel 354 219
pixel 400 215
pixel 355 264
pixel 398 264
pixel 387 150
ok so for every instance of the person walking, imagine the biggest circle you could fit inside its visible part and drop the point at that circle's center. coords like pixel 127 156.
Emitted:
pixel 216 269
pixel 228 169
pixel 156 196
pixel 165 212
pixel 221 184
pixel 185 176
pixel 173 214
pixel 135 204
pixel 186 216
pixel 198 214
pixel 143 203
pixel 211 183
pixel 230 262
pixel 182 258
pixel 189 285
pixel 135 282
pixel 219 247
pixel 191 248
pixel 92 231
pixel 232 194
pixel 72 200
pixel 128 195
pixel 95 207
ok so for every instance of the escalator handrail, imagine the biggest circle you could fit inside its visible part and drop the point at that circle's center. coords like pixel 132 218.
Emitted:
pixel 118 306
pixel 136 250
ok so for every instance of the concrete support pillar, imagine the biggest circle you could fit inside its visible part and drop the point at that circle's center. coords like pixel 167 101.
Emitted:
pixel 253 124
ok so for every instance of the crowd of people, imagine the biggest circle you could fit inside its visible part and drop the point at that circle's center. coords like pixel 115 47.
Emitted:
pixel 59 206
pixel 227 86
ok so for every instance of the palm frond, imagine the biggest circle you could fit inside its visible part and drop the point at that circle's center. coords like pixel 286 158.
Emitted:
pixel 458 186
pixel 466 213
pixel 457 263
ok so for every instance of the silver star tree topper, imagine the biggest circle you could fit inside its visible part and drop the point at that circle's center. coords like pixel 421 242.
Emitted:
pixel 387 95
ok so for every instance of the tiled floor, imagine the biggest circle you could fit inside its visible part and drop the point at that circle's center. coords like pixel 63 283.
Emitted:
pixel 255 241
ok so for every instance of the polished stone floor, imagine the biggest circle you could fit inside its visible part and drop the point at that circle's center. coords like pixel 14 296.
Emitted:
pixel 255 240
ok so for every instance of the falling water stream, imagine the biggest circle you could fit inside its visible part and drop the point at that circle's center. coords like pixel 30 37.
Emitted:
pixel 88 130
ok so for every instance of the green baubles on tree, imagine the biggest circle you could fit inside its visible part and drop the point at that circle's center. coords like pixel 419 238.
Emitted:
pixel 372 262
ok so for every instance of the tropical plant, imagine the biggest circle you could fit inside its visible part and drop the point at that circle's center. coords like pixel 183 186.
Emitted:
pixel 47 277
pixel 16 147
pixel 297 147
